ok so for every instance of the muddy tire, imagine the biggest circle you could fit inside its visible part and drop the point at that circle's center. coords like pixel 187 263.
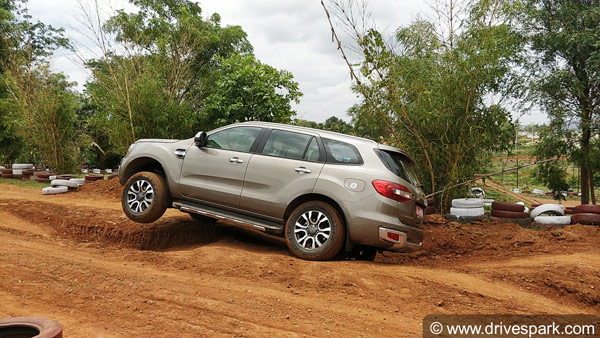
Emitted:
pixel 144 197
pixel 509 214
pixel 587 208
pixel 505 206
pixel 315 231
pixel 203 219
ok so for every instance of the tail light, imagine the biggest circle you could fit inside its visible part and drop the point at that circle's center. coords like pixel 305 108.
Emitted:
pixel 392 190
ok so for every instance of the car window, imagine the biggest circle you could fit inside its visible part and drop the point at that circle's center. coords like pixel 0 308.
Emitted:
pixel 238 138
pixel 341 152
pixel 286 144
pixel 312 152
pixel 399 165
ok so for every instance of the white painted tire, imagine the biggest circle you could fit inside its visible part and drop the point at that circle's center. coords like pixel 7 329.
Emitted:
pixel 22 166
pixel 467 203
pixel 467 212
pixel 79 181
pixel 54 190
pixel 17 172
pixel 96 171
pixel 108 171
pixel 84 171
pixel 52 178
pixel 1 167
pixel 553 220
pixel 552 208
pixel 64 183
pixel 520 203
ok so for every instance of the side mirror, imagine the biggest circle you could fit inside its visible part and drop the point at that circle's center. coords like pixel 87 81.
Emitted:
pixel 201 139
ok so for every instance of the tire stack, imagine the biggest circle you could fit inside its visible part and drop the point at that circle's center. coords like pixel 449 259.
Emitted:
pixel 586 214
pixel 93 178
pixel 27 174
pixel 18 168
pixel 7 173
pixel 549 214
pixel 44 176
pixel 510 212
pixel 466 209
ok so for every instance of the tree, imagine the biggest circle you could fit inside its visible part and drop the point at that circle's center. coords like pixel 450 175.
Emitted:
pixel 333 123
pixel 566 37
pixel 247 90
pixel 428 91
pixel 165 71
pixel 25 46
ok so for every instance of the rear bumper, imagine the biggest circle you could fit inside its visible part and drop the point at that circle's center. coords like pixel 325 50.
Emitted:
pixel 399 241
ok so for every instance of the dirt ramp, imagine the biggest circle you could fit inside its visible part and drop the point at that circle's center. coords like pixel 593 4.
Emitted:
pixel 111 227
pixel 482 241
pixel 105 189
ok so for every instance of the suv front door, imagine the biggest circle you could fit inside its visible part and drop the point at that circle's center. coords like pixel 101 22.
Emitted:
pixel 214 174
pixel 287 166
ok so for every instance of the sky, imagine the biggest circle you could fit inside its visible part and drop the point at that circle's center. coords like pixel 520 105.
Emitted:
pixel 287 34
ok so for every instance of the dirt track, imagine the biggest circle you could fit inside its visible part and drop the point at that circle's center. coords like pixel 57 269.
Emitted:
pixel 75 258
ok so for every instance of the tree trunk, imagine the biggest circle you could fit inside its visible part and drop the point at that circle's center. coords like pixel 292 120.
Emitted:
pixel 592 187
pixel 585 163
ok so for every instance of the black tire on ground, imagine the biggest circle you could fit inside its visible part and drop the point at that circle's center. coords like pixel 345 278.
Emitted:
pixel 506 206
pixel 315 224
pixel 363 253
pixel 587 208
pixel 30 327
pixel 509 214
pixel 430 201
pixel 202 218
pixel 150 202
pixel 586 218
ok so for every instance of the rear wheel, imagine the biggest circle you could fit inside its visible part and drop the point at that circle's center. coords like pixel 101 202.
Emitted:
pixel 315 231
pixel 144 198
pixel 202 218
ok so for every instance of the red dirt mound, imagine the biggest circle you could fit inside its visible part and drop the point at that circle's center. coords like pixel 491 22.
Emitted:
pixel 485 240
pixel 106 188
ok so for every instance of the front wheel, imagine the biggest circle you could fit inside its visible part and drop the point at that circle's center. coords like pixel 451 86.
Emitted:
pixel 315 231
pixel 144 198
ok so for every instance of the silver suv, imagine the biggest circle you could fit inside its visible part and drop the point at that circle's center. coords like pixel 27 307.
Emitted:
pixel 326 193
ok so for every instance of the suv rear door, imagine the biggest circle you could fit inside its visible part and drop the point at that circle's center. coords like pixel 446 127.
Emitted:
pixel 287 165
pixel 215 173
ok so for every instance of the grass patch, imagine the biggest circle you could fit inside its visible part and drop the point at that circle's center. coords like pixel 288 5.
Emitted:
pixel 25 183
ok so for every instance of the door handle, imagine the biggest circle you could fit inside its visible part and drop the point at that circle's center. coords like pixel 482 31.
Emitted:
pixel 302 170
pixel 236 160
pixel 180 153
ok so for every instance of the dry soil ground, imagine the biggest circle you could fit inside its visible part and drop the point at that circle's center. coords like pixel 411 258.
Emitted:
pixel 75 258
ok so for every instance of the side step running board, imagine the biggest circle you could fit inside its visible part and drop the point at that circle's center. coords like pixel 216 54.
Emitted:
pixel 252 222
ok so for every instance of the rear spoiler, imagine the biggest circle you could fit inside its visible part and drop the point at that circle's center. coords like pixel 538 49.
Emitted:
pixel 396 150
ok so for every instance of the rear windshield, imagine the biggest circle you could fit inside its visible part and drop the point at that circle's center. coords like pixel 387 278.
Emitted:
pixel 399 165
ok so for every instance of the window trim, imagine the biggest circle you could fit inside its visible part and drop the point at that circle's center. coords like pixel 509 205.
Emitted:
pixel 254 145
